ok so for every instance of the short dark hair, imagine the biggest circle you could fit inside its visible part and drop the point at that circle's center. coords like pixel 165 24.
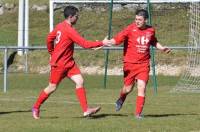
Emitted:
pixel 142 12
pixel 70 10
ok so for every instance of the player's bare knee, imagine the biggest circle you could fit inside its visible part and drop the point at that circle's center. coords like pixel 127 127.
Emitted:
pixel 51 88
pixel 141 94
pixel 127 89
pixel 141 91
pixel 142 87
pixel 79 82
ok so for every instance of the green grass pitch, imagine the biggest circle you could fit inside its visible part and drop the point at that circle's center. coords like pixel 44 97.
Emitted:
pixel 164 112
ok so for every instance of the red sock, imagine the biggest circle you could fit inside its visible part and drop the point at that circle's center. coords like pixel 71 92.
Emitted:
pixel 42 97
pixel 139 104
pixel 81 95
pixel 123 96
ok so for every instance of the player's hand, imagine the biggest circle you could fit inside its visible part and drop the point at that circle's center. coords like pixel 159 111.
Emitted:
pixel 98 48
pixel 107 42
pixel 167 50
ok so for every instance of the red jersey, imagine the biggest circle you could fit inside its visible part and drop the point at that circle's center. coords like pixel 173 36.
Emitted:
pixel 60 44
pixel 136 43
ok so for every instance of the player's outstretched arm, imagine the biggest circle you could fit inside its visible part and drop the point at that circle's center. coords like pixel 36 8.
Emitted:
pixel 163 48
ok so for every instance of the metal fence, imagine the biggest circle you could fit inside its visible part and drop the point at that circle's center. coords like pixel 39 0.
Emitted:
pixel 5 50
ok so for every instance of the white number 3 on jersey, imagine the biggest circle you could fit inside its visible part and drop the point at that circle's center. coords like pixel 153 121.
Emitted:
pixel 58 35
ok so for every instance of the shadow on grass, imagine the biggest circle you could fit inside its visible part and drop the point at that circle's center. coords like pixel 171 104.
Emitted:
pixel 98 116
pixel 168 115
pixel 16 111
pixel 24 111
pixel 49 117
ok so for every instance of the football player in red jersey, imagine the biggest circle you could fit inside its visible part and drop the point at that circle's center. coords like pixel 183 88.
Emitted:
pixel 60 45
pixel 137 38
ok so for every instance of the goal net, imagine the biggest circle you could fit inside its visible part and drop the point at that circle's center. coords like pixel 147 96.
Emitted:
pixel 190 79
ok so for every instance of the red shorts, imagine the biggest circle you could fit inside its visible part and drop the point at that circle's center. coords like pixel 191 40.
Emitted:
pixel 134 71
pixel 58 73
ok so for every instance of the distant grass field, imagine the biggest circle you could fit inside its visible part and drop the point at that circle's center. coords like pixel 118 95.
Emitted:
pixel 93 24
pixel 172 26
pixel 164 112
